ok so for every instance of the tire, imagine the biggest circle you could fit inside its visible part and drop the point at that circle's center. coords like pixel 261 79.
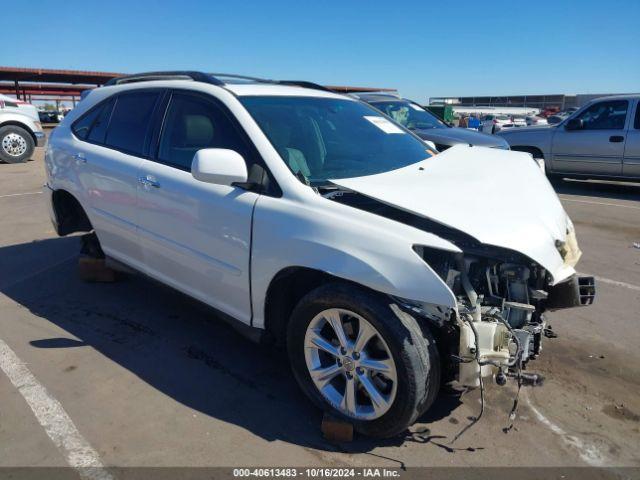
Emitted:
pixel 16 144
pixel 411 350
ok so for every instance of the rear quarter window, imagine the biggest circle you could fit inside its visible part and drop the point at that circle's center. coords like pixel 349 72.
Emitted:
pixel 99 128
pixel 82 126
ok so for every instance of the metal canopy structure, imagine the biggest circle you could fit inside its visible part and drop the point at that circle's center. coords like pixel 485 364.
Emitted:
pixel 30 84
pixel 48 84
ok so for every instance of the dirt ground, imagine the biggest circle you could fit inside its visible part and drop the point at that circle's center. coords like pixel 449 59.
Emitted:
pixel 151 378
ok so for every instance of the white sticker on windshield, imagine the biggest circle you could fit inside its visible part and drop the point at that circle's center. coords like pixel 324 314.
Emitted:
pixel 383 124
pixel 415 107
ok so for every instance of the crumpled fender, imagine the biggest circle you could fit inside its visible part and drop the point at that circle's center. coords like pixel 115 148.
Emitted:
pixel 345 242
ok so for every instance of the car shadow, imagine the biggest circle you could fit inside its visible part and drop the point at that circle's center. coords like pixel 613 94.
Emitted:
pixel 595 188
pixel 175 344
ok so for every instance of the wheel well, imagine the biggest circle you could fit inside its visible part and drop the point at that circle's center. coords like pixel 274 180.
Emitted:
pixel 285 291
pixel 21 125
pixel 70 215
pixel 291 284
pixel 535 151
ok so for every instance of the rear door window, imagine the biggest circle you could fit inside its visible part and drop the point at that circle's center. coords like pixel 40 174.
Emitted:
pixel 130 120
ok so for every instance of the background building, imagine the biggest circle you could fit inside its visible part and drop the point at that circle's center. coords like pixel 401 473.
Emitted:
pixel 559 101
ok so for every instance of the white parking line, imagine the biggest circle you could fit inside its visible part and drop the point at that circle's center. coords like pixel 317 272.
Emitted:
pixel 19 194
pixel 589 453
pixel 634 207
pixel 616 283
pixel 55 421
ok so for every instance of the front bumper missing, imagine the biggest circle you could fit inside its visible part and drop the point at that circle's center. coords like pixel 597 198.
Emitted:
pixel 492 343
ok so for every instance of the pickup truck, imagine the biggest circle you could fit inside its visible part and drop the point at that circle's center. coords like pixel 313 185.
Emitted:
pixel 600 140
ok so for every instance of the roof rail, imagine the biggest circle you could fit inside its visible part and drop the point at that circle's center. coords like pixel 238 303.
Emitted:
pixel 218 79
pixel 169 75
pixel 304 84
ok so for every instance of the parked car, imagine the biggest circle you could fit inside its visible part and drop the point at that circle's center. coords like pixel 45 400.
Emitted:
pixel 535 120
pixel 560 116
pixel 311 220
pixel 600 140
pixel 20 132
pixel 50 116
pixel 493 123
pixel 426 125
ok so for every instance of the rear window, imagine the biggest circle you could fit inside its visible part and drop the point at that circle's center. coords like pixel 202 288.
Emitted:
pixel 130 121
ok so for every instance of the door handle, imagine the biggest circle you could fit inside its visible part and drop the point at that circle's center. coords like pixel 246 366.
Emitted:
pixel 149 181
pixel 79 158
pixel 616 139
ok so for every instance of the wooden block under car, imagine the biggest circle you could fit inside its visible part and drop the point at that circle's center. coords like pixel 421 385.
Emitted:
pixel 335 429
pixel 95 270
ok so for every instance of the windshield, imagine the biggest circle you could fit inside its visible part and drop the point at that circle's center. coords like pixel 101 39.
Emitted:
pixel 324 138
pixel 410 115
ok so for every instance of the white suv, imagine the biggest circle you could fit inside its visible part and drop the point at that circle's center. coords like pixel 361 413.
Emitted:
pixel 315 222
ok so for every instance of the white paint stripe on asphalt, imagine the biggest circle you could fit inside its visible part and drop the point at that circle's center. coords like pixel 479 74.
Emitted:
pixel 19 194
pixel 608 204
pixel 55 421
pixel 630 286
pixel 589 453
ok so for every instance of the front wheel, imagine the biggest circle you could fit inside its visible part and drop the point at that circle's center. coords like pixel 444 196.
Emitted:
pixel 360 357
pixel 16 144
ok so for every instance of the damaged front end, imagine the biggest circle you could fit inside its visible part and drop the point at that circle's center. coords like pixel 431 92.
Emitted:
pixel 501 299
pixel 501 296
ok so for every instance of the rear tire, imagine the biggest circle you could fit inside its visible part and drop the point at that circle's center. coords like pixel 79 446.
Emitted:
pixel 411 352
pixel 16 144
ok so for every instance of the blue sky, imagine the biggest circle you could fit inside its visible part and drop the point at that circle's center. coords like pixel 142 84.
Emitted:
pixel 423 48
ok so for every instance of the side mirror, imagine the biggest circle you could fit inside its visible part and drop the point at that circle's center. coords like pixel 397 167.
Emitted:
pixel 574 124
pixel 219 166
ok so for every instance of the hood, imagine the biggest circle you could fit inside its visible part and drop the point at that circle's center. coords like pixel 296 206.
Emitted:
pixel 455 135
pixel 23 107
pixel 499 197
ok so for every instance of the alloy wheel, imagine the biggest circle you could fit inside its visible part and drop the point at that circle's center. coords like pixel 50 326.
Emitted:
pixel 350 364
